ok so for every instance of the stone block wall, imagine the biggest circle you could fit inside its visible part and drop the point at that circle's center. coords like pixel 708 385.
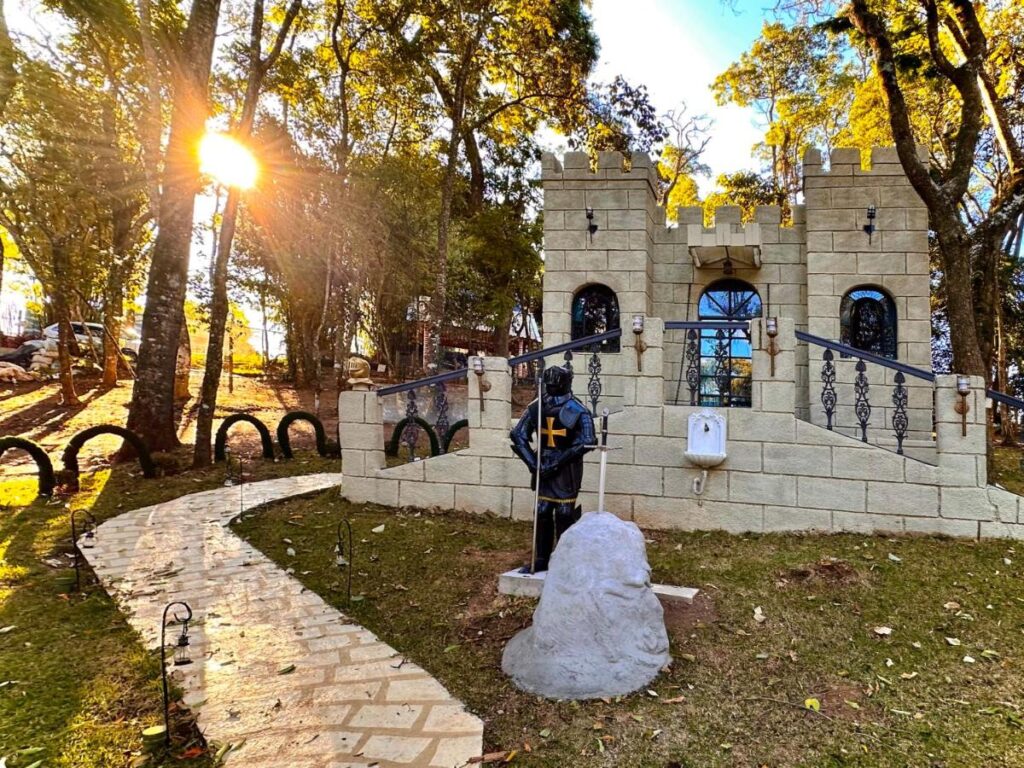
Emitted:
pixel 781 473
pixel 805 268
pixel 841 256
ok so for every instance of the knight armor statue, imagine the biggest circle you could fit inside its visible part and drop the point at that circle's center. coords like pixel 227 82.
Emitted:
pixel 567 433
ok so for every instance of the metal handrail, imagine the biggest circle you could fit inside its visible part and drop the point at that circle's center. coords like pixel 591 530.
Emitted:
pixel 437 378
pixel 711 325
pixel 1001 397
pixel 885 362
pixel 568 346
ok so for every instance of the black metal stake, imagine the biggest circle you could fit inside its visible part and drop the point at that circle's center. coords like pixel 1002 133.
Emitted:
pixel 179 660
pixel 340 554
pixel 90 534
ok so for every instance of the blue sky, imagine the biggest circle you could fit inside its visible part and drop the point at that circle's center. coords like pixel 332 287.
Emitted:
pixel 676 48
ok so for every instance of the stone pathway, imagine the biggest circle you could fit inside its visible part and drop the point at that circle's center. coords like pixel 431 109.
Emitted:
pixel 351 700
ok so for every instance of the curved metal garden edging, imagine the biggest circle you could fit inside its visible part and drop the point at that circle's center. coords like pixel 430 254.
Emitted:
pixel 222 435
pixel 47 480
pixel 391 449
pixel 70 457
pixel 446 441
pixel 290 418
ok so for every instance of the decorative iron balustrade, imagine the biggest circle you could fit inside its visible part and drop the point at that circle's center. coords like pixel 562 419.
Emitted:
pixel 862 387
pixel 712 385
pixel 409 430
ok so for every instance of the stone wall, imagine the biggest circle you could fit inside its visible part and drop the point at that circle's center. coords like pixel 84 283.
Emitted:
pixel 782 473
pixel 805 267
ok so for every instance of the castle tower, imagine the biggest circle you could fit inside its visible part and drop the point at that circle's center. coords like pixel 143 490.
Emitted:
pixel 868 289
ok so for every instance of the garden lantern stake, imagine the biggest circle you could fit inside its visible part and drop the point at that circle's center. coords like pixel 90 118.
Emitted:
pixel 88 541
pixel 181 655
pixel 771 325
pixel 963 388
pixel 339 554
pixel 638 342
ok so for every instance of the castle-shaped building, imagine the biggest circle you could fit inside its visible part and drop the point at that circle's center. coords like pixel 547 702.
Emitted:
pixel 759 376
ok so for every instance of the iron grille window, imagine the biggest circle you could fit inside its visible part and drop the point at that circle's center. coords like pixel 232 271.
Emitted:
pixel 867 320
pixel 595 309
pixel 726 357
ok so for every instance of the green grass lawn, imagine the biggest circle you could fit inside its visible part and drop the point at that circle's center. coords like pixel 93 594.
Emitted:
pixel 76 684
pixel 737 690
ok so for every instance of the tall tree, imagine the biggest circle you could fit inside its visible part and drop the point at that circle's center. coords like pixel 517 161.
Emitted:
pixel 257 66
pixel 151 413
pixel 501 63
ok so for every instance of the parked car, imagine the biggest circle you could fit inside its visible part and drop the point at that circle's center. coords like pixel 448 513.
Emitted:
pixel 86 332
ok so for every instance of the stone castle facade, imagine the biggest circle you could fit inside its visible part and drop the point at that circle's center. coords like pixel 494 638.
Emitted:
pixel 856 436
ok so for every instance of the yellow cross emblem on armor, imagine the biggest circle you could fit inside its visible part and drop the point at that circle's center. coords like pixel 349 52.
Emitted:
pixel 551 432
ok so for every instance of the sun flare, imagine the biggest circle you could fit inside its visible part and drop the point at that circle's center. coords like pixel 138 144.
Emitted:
pixel 228 161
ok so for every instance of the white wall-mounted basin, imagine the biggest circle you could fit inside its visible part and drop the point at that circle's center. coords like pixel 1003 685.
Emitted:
pixel 706 439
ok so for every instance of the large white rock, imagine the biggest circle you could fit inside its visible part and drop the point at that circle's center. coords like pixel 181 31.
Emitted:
pixel 599 629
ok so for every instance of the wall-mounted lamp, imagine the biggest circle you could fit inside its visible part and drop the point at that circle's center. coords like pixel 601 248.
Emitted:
pixel 591 224
pixel 963 388
pixel 869 228
pixel 484 384
pixel 771 327
pixel 181 655
pixel 638 342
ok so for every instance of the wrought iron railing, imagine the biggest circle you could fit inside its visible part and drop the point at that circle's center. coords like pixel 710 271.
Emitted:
pixel 413 426
pixel 690 357
pixel 862 387
pixel 409 429
pixel 591 344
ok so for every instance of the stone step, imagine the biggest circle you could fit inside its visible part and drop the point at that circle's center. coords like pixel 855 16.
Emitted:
pixel 530 585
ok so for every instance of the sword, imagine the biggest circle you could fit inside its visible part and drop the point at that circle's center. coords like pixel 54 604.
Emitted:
pixel 536 475
pixel 604 460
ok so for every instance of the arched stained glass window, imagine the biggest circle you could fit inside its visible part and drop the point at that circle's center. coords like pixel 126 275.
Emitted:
pixel 595 309
pixel 867 320
pixel 726 356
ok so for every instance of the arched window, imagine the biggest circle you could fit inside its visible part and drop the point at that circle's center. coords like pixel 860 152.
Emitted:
pixel 867 320
pixel 595 309
pixel 726 356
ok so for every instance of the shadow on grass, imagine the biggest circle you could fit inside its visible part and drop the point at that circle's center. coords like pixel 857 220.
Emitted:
pixel 80 685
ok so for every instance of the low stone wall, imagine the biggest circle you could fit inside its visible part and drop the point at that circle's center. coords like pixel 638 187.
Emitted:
pixel 781 474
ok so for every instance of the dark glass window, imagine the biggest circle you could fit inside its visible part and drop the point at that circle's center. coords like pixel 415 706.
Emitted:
pixel 867 320
pixel 595 309
pixel 726 357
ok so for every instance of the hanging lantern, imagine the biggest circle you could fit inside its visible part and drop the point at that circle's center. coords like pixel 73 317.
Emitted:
pixel 181 648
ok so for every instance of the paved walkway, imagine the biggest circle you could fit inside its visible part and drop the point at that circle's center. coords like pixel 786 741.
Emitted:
pixel 351 699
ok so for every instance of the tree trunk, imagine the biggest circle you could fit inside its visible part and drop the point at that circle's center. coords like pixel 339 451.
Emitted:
pixel 954 246
pixel 437 304
pixel 65 334
pixel 113 304
pixel 218 322
pixel 152 412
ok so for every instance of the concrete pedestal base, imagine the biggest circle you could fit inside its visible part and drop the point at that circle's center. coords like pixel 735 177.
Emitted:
pixel 530 585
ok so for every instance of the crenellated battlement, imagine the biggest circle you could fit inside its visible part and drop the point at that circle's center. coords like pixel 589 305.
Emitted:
pixel 849 161
pixel 611 166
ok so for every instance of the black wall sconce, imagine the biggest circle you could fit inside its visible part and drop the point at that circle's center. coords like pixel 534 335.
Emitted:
pixel 591 224
pixel 869 228
pixel 88 540
pixel 639 343
pixel 963 388
pixel 771 327
pixel 340 558
pixel 181 655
